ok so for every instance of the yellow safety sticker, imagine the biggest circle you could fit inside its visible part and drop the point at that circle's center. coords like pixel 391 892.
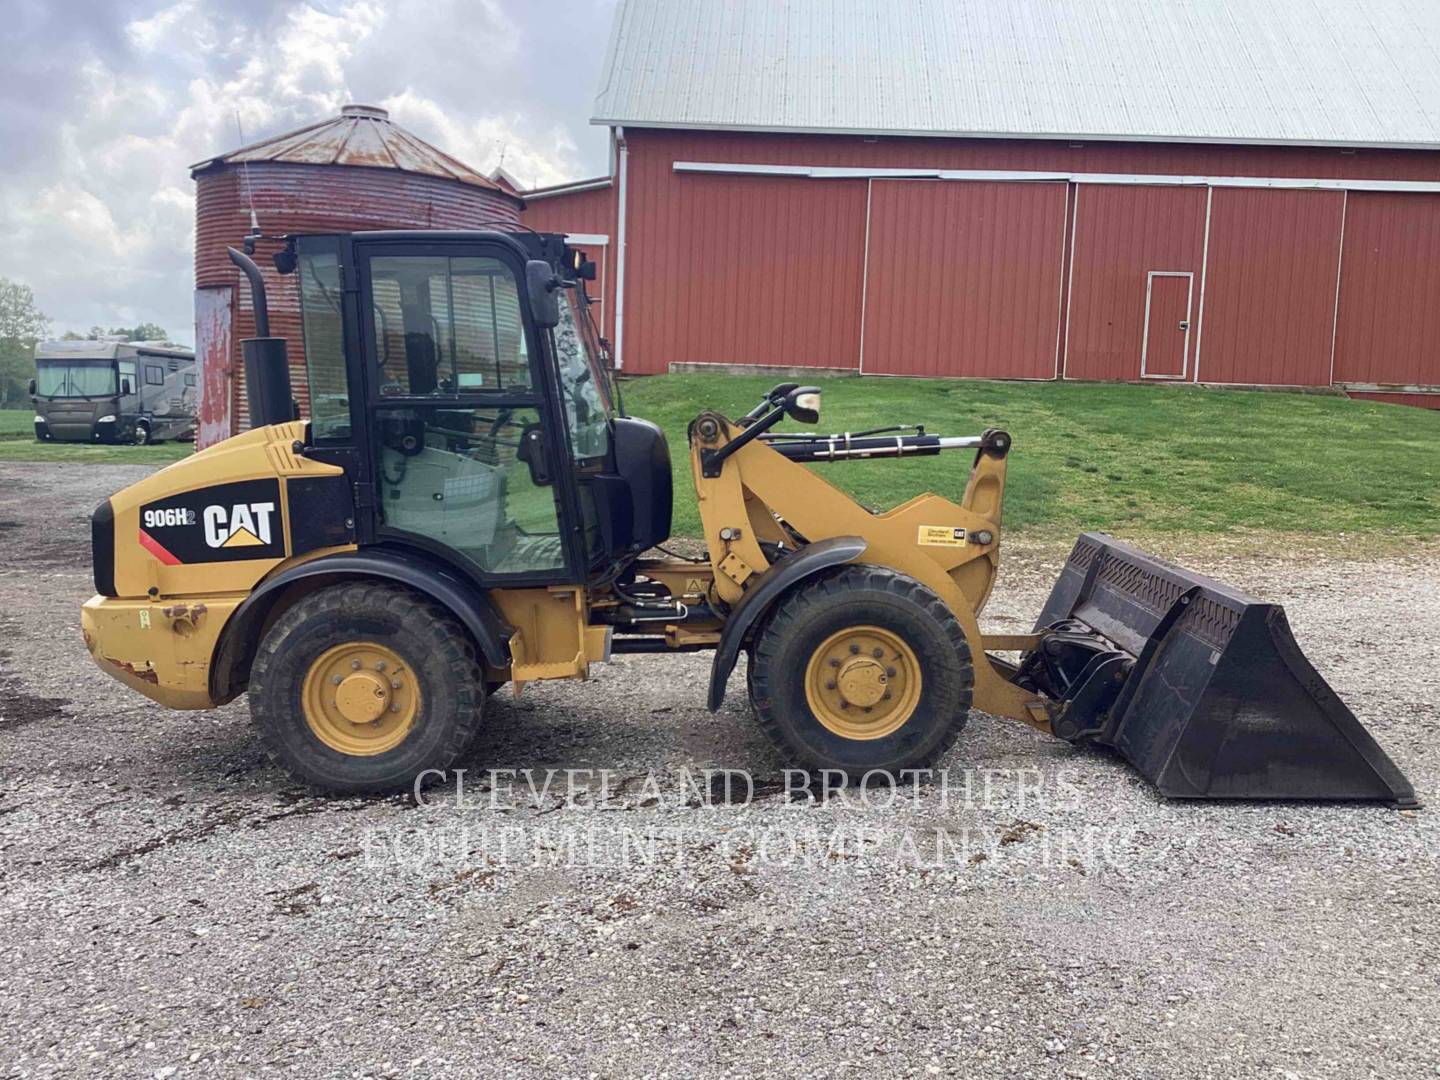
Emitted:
pixel 941 536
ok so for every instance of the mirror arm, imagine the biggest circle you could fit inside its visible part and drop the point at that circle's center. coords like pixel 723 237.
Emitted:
pixel 711 461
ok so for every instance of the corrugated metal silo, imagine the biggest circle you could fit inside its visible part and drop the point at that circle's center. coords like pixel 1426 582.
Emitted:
pixel 356 171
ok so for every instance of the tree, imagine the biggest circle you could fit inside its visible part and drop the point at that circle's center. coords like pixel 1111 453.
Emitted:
pixel 22 326
pixel 146 331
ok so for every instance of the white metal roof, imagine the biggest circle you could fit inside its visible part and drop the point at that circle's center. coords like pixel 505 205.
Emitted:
pixel 1347 72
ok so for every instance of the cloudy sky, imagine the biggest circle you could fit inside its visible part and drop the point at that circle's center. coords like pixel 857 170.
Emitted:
pixel 104 104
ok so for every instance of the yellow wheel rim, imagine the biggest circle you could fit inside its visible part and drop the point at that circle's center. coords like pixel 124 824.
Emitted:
pixel 863 683
pixel 360 698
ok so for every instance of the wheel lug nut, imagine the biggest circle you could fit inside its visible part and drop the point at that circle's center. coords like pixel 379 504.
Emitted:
pixel 337 680
pixel 867 708
pixel 395 684
pixel 834 663
pixel 380 665
pixel 354 665
pixel 890 671
pixel 877 652
pixel 854 650
pixel 830 685
pixel 886 695
pixel 393 708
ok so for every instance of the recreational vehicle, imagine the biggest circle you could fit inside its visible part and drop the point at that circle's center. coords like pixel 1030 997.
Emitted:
pixel 113 391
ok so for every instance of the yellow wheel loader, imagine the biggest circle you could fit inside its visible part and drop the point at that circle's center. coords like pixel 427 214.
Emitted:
pixel 466 507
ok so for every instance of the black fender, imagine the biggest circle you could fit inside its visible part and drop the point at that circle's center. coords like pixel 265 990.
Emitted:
pixel 428 576
pixel 768 587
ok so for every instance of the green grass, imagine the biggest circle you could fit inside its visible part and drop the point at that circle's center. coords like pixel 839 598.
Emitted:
pixel 1086 455
pixel 17 443
pixel 1091 455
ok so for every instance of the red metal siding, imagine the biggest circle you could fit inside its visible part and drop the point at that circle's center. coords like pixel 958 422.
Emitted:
pixel 1269 313
pixel 1190 159
pixel 758 270
pixel 1121 234
pixel 1269 310
pixel 964 279
pixel 1389 328
pixel 590 211
pixel 1419 401
pixel 584 212
pixel 292 198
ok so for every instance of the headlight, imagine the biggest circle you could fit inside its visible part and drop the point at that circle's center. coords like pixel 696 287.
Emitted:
pixel 108 418
pixel 39 419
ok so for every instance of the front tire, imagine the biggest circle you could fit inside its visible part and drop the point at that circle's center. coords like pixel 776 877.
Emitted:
pixel 361 688
pixel 862 669
pixel 141 436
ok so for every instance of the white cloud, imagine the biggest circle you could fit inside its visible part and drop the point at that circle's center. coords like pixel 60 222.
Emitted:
pixel 98 217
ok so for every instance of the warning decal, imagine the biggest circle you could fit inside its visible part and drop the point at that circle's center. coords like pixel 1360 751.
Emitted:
pixel 941 536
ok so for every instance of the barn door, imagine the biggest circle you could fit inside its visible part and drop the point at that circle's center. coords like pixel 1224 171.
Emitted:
pixel 1165 353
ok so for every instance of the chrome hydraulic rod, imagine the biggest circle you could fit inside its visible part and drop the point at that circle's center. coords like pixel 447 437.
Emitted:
pixel 837 447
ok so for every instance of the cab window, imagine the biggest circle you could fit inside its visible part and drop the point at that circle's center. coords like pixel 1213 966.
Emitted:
pixel 324 330
pixel 582 385
pixel 447 326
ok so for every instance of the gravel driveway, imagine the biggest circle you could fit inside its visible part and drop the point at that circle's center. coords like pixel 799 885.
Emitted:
pixel 173 906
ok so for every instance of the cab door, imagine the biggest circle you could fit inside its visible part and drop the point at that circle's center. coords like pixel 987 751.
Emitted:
pixel 463 454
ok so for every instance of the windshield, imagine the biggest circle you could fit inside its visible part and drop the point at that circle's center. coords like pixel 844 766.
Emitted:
pixel 72 378
pixel 583 380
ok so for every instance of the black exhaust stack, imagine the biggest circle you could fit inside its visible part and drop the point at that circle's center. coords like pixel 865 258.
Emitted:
pixel 267 364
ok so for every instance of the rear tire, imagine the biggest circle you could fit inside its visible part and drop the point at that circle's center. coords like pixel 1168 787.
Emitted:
pixel 361 688
pixel 862 669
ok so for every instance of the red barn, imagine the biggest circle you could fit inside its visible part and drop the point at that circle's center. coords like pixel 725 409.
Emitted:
pixel 1225 193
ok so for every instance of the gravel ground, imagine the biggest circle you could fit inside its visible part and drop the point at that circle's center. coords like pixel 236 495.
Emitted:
pixel 173 906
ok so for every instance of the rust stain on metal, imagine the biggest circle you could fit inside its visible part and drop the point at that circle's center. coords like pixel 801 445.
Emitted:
pixel 361 135
pixel 145 674
pixel 190 613
pixel 288 180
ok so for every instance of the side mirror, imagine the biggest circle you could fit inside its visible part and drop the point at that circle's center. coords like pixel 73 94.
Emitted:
pixel 542 284
pixel 803 404
pixel 32 387
pixel 125 386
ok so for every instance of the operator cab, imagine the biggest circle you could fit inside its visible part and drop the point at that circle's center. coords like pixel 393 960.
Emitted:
pixel 460 381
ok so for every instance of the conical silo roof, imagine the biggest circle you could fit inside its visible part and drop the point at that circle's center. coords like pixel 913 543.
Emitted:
pixel 361 135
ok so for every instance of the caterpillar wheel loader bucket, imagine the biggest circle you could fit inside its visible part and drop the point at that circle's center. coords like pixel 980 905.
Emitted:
pixel 1200 687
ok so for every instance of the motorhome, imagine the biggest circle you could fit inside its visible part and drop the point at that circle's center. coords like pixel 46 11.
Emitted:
pixel 113 391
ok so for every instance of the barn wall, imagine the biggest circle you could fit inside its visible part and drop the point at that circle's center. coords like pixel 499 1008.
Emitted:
pixel 1419 401
pixel 1389 326
pixel 1121 235
pixel 964 279
pixel 1189 159
pixel 768 272
pixel 590 211
pixel 1269 309
pixel 731 268
pixel 584 212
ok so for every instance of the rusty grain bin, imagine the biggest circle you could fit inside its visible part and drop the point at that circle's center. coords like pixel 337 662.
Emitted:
pixel 355 171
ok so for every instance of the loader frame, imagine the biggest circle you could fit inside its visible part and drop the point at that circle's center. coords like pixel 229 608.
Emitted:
pixel 758 503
